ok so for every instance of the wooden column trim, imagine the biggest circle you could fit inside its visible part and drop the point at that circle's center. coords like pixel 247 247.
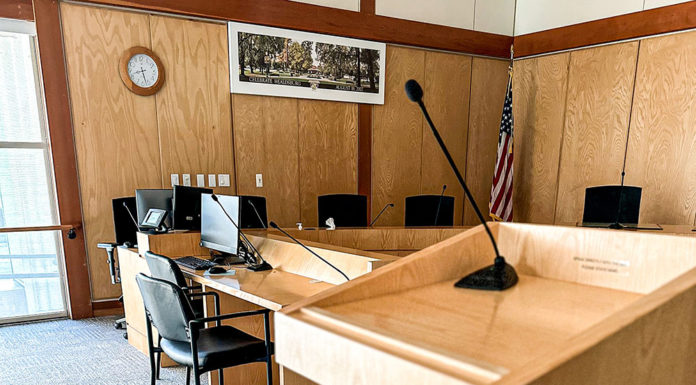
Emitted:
pixel 367 7
pixel 672 18
pixel 332 21
pixel 49 35
pixel 365 154
pixel 17 9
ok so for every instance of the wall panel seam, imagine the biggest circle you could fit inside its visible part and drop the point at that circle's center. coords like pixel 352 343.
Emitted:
pixel 563 131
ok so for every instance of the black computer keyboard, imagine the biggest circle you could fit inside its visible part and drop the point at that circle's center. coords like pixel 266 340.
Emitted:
pixel 194 263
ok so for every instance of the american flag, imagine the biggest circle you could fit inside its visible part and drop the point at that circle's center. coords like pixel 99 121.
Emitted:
pixel 501 193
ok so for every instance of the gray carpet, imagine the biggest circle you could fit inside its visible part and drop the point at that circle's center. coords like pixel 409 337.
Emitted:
pixel 89 352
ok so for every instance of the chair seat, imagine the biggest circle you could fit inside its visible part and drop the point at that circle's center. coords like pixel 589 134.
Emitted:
pixel 218 347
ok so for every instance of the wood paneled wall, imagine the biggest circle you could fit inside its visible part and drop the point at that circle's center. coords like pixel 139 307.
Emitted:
pixel 125 141
pixel 572 114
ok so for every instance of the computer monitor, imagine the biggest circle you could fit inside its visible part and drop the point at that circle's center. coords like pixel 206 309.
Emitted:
pixel 250 219
pixel 146 199
pixel 186 205
pixel 602 204
pixel 217 233
pixel 125 229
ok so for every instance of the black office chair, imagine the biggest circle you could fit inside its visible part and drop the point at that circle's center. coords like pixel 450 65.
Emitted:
pixel 602 204
pixel 422 210
pixel 186 340
pixel 251 219
pixel 167 269
pixel 347 210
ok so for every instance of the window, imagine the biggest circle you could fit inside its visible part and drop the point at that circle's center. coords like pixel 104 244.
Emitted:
pixel 31 279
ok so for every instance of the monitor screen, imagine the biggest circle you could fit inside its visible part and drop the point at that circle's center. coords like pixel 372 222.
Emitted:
pixel 146 199
pixel 187 207
pixel 217 233
pixel 154 218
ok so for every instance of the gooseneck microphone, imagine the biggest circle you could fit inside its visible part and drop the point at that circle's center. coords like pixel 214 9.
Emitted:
pixel 439 203
pixel 257 214
pixel 130 214
pixel 500 275
pixel 255 265
pixel 380 213
pixel 275 226
pixel 616 225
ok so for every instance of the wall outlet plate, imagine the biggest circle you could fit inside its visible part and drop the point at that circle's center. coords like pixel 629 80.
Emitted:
pixel 259 180
pixel 224 180
pixel 175 179
pixel 186 179
pixel 200 180
pixel 211 180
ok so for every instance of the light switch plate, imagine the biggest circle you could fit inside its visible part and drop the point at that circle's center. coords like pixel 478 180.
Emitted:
pixel 211 180
pixel 200 180
pixel 186 179
pixel 259 180
pixel 175 179
pixel 224 180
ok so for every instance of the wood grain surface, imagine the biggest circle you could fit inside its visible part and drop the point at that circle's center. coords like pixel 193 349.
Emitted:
pixel 328 153
pixel 17 9
pixel 397 137
pixel 662 143
pixel 489 79
pixel 600 87
pixel 193 108
pixel 266 142
pixel 447 85
pixel 539 87
pixel 115 130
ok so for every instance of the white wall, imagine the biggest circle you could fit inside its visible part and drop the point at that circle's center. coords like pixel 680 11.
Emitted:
pixel 351 5
pixel 661 3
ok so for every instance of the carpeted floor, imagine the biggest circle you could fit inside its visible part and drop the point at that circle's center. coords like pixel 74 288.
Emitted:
pixel 89 352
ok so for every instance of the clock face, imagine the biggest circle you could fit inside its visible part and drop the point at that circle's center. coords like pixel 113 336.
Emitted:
pixel 142 70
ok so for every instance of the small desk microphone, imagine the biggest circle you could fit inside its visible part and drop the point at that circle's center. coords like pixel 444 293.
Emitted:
pixel 380 213
pixel 257 214
pixel 275 226
pixel 439 203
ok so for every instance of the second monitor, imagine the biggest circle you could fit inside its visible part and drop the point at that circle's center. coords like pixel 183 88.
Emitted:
pixel 187 207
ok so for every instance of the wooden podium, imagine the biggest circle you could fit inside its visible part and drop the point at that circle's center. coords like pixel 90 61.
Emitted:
pixel 591 307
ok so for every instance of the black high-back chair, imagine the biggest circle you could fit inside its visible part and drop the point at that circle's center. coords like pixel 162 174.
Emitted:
pixel 347 210
pixel 186 340
pixel 602 204
pixel 422 210
pixel 253 219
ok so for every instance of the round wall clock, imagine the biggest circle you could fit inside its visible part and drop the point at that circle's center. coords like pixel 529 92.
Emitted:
pixel 141 71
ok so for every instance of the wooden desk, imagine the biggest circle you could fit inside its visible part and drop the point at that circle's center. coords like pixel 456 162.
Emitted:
pixel 296 275
pixel 592 307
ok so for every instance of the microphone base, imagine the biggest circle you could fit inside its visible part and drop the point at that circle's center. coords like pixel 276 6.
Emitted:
pixel 497 277
pixel 262 267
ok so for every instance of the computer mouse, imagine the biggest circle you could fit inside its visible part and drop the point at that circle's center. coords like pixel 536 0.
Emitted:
pixel 217 270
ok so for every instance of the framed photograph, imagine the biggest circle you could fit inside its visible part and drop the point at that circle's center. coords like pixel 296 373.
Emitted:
pixel 281 62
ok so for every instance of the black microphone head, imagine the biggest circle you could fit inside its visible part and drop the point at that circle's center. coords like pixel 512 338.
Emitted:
pixel 251 204
pixel 124 204
pixel 414 91
pixel 273 224
pixel 214 197
pixel 391 205
pixel 444 187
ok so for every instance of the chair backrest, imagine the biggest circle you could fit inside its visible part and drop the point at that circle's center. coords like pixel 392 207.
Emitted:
pixel 249 219
pixel 124 228
pixel 165 268
pixel 602 204
pixel 347 210
pixel 421 210
pixel 168 307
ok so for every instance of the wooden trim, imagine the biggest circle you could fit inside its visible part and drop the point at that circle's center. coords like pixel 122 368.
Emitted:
pixel 367 7
pixel 47 17
pixel 17 9
pixel 365 154
pixel 332 21
pixel 107 305
pixel 672 18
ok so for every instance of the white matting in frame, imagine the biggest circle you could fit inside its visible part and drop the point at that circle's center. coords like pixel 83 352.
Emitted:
pixel 295 64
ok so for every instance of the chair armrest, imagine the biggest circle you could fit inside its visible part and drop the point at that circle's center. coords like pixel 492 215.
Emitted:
pixel 191 288
pixel 197 323
pixel 216 300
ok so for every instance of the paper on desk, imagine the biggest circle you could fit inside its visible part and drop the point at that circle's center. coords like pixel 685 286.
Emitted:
pixel 229 272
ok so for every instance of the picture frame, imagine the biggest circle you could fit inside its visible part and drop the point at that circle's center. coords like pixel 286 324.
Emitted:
pixel 281 62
